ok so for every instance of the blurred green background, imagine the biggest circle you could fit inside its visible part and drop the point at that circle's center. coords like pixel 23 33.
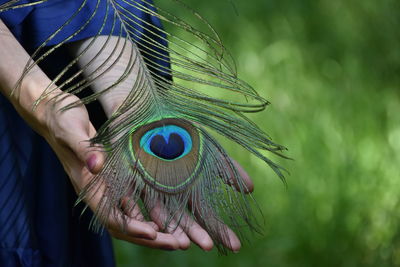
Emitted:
pixel 331 70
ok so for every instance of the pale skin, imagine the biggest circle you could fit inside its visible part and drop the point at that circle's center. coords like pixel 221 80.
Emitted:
pixel 67 133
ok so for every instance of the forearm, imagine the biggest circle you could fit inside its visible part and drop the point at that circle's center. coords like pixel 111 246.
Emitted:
pixel 13 59
pixel 105 63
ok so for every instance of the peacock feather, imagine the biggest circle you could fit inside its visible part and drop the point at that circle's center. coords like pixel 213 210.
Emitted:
pixel 159 150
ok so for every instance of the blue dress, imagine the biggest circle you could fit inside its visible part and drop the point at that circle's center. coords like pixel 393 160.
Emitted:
pixel 38 224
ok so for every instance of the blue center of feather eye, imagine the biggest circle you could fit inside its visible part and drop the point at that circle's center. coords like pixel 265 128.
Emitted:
pixel 169 142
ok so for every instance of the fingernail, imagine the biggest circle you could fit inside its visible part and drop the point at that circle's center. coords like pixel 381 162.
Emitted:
pixel 92 162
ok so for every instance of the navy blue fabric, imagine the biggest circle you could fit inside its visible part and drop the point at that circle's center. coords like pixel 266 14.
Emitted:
pixel 34 25
pixel 38 224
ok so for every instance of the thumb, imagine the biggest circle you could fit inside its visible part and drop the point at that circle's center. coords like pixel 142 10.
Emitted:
pixel 94 159
pixel 78 140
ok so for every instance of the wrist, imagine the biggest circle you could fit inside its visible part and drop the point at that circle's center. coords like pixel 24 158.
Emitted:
pixel 25 98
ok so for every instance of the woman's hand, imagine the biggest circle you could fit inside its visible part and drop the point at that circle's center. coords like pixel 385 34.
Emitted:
pixel 68 133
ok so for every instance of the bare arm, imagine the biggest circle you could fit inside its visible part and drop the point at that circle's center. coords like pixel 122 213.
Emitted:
pixel 13 59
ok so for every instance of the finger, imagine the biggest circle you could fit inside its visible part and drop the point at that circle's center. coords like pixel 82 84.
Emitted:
pixel 232 242
pixel 223 233
pixel 154 226
pixel 181 236
pixel 226 236
pixel 132 210
pixel 247 186
pixel 94 160
pixel 76 135
pixel 94 157
pixel 160 216
pixel 196 233
pixel 133 228
pixel 115 219
pixel 163 241
pixel 245 177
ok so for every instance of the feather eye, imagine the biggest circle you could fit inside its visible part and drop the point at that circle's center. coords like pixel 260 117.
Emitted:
pixel 168 154
pixel 158 149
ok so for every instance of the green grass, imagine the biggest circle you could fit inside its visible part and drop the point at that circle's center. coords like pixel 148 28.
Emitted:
pixel 331 70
